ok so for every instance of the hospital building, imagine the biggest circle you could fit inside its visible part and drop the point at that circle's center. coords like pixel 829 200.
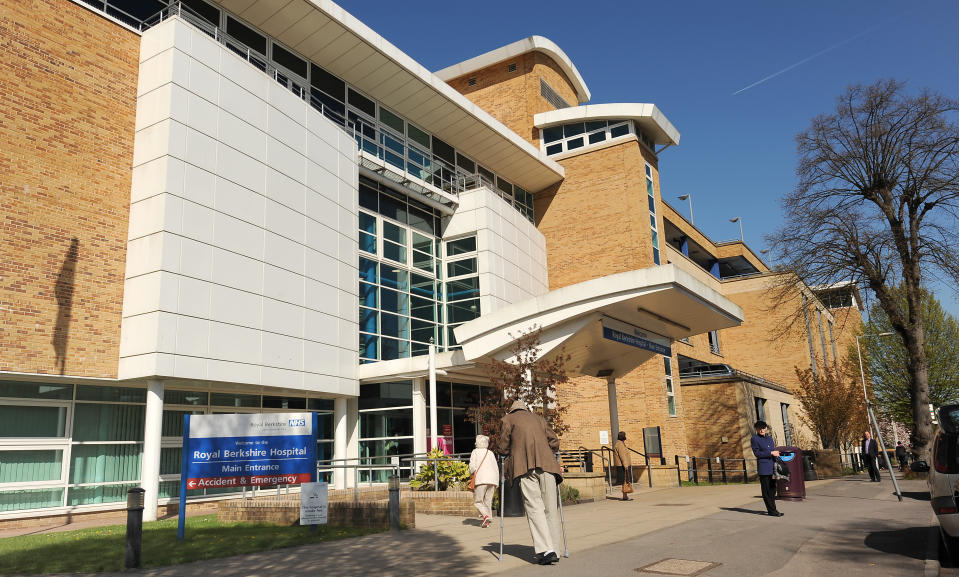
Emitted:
pixel 246 206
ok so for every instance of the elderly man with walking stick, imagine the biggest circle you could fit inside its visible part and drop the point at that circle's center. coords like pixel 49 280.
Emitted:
pixel 531 444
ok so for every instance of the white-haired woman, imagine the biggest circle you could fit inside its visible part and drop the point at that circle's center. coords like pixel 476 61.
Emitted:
pixel 483 464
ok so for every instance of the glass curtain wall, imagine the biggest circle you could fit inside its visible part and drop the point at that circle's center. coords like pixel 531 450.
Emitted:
pixel 71 445
pixel 386 427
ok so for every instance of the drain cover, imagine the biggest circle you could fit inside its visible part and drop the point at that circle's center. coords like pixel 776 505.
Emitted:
pixel 678 567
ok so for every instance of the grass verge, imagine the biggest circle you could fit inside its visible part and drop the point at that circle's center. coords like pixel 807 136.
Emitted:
pixel 103 548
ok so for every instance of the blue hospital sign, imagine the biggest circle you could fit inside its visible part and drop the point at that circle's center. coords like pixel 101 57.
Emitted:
pixel 249 450
pixel 246 451
pixel 635 337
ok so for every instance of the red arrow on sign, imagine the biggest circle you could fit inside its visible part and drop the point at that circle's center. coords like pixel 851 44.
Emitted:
pixel 191 484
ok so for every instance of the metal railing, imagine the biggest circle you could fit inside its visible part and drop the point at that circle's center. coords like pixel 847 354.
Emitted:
pixel 713 470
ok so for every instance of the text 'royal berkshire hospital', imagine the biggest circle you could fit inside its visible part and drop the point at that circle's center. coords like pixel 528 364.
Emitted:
pixel 254 206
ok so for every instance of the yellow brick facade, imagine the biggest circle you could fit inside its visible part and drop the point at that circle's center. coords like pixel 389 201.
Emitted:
pixel 68 79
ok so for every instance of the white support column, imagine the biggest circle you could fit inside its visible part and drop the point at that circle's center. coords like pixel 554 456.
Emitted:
pixel 353 436
pixel 613 409
pixel 340 439
pixel 432 383
pixel 150 463
pixel 419 415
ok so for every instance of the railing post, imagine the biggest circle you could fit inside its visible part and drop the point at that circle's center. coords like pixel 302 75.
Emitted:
pixel 745 475
pixel 709 470
pixel 679 474
pixel 695 472
pixel 649 472
pixel 722 465
pixel 356 483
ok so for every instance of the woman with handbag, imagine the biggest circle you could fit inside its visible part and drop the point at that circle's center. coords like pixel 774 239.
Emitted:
pixel 624 465
pixel 484 478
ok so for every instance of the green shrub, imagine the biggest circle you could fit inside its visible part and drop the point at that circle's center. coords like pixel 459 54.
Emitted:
pixel 451 473
pixel 569 494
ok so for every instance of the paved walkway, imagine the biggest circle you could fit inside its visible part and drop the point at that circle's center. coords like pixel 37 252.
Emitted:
pixel 846 527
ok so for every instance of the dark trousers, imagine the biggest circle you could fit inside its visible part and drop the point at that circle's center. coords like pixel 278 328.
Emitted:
pixel 871 466
pixel 769 492
pixel 620 475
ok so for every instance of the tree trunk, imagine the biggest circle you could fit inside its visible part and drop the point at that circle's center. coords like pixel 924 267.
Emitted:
pixel 922 431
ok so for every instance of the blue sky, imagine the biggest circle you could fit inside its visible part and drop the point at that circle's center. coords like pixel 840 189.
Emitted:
pixel 737 154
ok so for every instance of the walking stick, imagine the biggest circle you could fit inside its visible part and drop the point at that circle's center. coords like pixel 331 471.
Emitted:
pixel 501 499
pixel 559 497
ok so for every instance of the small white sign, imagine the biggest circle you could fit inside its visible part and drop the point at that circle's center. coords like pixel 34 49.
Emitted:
pixel 313 503
pixel 604 437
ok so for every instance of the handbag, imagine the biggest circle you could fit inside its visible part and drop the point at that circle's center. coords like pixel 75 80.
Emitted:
pixel 471 484
pixel 627 487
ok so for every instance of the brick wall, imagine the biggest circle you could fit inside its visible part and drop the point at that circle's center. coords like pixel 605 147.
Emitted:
pixel 339 513
pixel 514 97
pixel 612 235
pixel 68 83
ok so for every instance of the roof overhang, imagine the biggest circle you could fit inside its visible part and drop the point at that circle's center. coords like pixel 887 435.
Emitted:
pixel 593 321
pixel 646 115
pixel 325 33
pixel 531 44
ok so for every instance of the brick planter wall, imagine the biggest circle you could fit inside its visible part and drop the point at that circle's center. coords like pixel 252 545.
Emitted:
pixel 339 514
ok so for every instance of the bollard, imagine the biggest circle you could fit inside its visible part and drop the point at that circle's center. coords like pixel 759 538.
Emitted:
pixel 722 465
pixel 745 475
pixel 394 484
pixel 135 528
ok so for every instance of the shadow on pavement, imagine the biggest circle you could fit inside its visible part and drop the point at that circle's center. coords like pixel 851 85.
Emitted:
pixel 521 552
pixel 908 542
pixel 917 495
pixel 742 510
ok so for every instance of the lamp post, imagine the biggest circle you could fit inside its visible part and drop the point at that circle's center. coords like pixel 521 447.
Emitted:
pixel 871 416
pixel 688 197
pixel 740 221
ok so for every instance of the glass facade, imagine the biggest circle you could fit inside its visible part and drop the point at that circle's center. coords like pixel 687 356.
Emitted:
pixel 670 392
pixel 404 301
pixel 68 445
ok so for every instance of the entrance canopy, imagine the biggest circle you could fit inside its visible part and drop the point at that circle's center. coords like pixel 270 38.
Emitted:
pixel 609 325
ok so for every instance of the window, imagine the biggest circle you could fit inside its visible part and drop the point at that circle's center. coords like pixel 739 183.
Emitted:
pixel 760 408
pixel 564 138
pixel 670 393
pixel 713 337
pixel 462 287
pixel 787 429
pixel 651 199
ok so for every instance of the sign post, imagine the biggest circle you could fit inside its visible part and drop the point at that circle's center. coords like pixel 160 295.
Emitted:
pixel 246 450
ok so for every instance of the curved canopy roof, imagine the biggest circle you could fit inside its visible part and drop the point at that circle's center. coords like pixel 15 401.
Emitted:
pixel 650 118
pixel 334 39
pixel 531 44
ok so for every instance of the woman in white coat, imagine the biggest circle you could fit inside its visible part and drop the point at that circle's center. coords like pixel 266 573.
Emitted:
pixel 483 464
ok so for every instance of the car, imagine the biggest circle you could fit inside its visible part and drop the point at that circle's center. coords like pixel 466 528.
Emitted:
pixel 943 477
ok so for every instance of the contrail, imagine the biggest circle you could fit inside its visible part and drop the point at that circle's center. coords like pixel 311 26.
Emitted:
pixel 805 60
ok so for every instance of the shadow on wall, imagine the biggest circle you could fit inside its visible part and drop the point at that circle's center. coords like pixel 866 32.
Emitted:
pixel 63 291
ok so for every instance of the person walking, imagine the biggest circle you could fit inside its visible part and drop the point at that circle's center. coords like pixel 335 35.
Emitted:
pixel 531 445
pixel 765 450
pixel 624 465
pixel 485 478
pixel 901 456
pixel 870 452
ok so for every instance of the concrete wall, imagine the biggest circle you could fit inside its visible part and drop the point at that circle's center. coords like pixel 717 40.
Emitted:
pixel 68 82
pixel 242 246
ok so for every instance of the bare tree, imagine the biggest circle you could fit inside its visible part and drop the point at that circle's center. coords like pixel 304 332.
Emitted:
pixel 876 203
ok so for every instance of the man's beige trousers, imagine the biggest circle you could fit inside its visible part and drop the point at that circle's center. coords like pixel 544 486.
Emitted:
pixel 539 497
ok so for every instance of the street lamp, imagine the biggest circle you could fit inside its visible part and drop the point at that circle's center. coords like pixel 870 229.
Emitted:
pixel 688 197
pixel 871 416
pixel 740 221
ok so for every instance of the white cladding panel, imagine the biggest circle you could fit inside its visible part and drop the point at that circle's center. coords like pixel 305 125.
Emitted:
pixel 511 257
pixel 242 251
